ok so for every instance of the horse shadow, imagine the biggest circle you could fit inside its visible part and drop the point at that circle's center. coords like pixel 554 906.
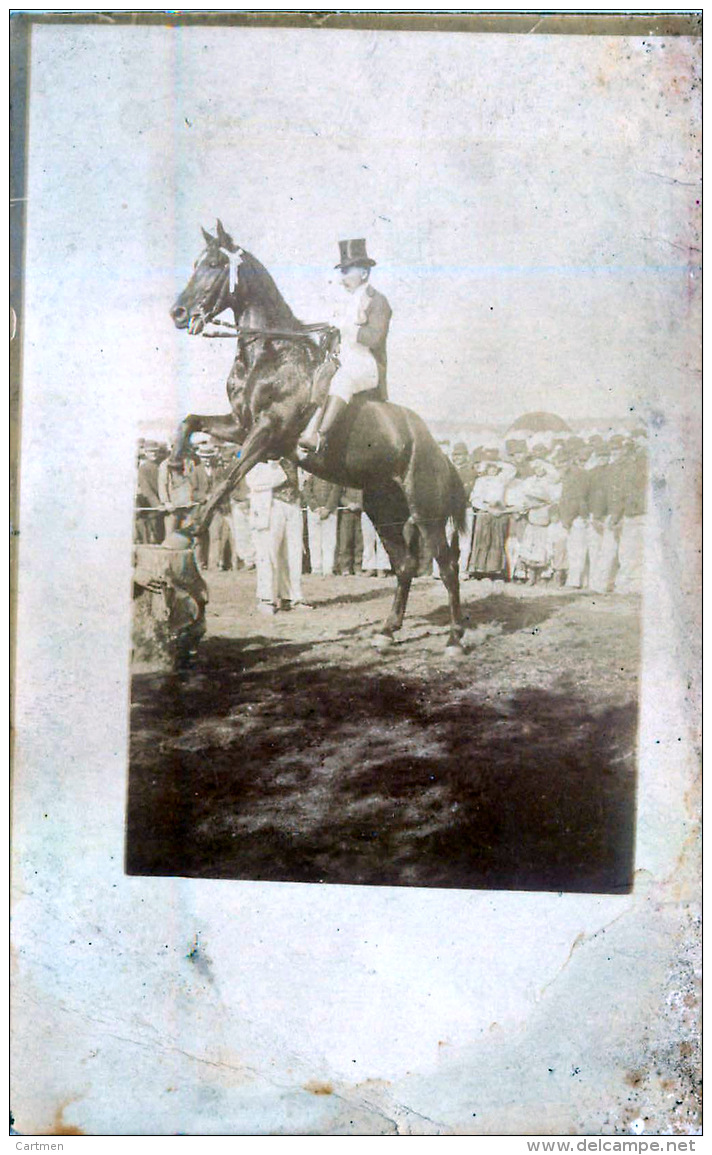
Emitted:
pixel 510 614
pixel 264 764
pixel 355 599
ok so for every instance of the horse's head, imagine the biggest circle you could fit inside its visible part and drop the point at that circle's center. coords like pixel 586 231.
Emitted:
pixel 214 285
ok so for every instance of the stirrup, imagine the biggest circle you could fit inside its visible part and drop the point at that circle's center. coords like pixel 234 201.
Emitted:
pixel 307 451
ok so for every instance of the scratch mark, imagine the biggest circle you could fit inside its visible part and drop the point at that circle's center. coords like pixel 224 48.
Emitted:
pixel 672 244
pixel 364 1103
pixel 148 1046
pixel 580 939
pixel 672 179
pixel 442 1127
pixel 359 1102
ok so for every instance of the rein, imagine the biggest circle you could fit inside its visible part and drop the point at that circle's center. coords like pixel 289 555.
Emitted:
pixel 231 273
pixel 282 334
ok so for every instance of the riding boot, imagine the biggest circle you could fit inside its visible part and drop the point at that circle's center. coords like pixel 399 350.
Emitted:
pixel 316 442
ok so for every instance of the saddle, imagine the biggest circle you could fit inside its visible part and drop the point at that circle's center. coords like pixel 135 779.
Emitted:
pixel 327 367
pixel 322 379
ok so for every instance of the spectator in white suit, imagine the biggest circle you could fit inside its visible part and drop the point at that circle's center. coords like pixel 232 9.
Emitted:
pixel 276 523
pixel 376 562
pixel 322 502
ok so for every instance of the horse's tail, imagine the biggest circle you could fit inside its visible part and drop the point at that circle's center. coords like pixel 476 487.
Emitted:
pixel 458 500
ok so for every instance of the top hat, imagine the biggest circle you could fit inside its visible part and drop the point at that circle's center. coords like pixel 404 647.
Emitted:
pixel 354 253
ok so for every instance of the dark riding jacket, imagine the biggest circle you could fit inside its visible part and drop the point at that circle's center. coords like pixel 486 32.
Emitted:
pixel 373 333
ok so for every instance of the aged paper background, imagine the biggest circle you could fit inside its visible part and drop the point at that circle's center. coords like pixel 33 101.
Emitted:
pixel 558 177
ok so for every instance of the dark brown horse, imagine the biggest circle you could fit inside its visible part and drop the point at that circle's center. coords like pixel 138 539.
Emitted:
pixel 278 380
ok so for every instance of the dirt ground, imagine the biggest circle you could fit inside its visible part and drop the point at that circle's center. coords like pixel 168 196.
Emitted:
pixel 294 750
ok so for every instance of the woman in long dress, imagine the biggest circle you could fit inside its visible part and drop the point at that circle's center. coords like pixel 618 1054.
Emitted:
pixel 540 492
pixel 488 558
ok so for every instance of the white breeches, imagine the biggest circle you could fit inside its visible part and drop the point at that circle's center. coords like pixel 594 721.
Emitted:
pixel 357 372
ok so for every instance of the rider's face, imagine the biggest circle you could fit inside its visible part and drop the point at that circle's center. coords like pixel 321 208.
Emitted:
pixel 353 278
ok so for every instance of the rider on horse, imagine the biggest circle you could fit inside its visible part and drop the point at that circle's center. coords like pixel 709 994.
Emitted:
pixel 410 488
pixel 363 324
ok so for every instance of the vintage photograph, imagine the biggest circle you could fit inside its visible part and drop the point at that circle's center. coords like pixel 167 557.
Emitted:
pixel 490 739
pixel 387 586
pixel 357 547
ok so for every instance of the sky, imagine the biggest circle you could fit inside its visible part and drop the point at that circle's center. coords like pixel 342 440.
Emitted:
pixel 532 203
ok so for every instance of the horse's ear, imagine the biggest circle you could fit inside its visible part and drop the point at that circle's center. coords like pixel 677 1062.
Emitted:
pixel 224 239
pixel 206 236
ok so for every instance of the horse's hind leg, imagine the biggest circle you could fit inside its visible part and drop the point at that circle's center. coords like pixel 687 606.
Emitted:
pixel 447 556
pixel 400 539
pixel 405 568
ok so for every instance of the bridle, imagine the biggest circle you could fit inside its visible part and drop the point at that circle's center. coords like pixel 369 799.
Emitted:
pixel 214 294
pixel 211 301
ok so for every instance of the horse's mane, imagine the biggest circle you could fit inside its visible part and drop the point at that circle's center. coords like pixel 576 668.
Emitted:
pixel 264 291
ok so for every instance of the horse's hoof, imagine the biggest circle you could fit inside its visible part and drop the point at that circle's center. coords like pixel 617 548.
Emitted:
pixel 455 650
pixel 382 641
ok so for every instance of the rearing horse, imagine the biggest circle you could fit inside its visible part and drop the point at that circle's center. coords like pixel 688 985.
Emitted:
pixel 276 384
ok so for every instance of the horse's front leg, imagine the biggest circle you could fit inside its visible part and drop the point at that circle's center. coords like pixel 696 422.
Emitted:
pixel 221 426
pixel 256 447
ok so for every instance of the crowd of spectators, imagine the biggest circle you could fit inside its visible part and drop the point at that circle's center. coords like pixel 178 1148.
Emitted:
pixel 551 508
pixel 277 511
pixel 556 508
